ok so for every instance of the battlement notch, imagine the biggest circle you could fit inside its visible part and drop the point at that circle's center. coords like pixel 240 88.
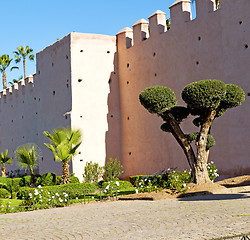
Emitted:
pixel 140 31
pixel 157 23
pixel 125 38
pixel 180 12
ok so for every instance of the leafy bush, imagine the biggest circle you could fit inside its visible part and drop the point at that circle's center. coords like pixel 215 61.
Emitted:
pixel 212 171
pixel 118 184
pixel 113 169
pixel 170 179
pixel 4 180
pixel 92 172
pixel 25 182
pixel 48 179
pixel 58 180
pixel 74 179
pixel 4 185
pixel 4 193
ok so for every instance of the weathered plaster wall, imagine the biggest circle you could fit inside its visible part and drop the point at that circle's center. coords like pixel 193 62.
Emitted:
pixel 215 46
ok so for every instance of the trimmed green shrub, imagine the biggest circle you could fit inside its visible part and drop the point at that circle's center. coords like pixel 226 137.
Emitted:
pixel 158 99
pixel 58 180
pixel 48 179
pixel 92 172
pixel 4 180
pixel 118 184
pixel 4 185
pixel 195 137
pixel 74 179
pixel 25 182
pixel 112 170
pixel 4 193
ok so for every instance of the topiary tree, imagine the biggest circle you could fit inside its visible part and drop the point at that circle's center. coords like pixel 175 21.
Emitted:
pixel 206 99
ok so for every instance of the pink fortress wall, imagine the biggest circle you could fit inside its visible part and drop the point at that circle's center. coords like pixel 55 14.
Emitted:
pixel 213 46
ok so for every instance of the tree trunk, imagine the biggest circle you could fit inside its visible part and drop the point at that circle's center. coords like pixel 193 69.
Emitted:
pixel 201 173
pixel 4 80
pixel 33 178
pixel 182 140
pixel 65 173
pixel 3 171
pixel 24 68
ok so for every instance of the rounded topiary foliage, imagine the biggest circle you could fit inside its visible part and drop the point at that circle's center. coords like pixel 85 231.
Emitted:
pixel 195 137
pixel 166 127
pixel 234 97
pixel 158 99
pixel 204 94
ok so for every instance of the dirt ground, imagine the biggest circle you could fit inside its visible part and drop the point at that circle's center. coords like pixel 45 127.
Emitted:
pixel 191 189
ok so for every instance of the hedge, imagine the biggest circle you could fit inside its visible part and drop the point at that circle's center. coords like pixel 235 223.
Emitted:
pixel 122 185
pixel 4 193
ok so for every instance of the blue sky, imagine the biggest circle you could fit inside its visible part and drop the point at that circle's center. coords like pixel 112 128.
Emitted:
pixel 39 23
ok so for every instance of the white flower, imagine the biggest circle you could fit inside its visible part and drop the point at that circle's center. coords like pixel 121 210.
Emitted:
pixel 30 194
pixel 136 191
pixel 168 169
pixel 66 195
pixel 60 200
pixel 212 162
pixel 35 191
pixel 41 190
pixel 9 202
pixel 57 194
pixel 108 197
pixel 149 180
pixel 53 197
pixel 184 185
pixel 76 198
pixel 117 183
pixel 93 197
pixel 118 191
pixel 107 187
pixel 2 206
pixel 105 191
pixel 188 187
pixel 66 200
pixel 39 186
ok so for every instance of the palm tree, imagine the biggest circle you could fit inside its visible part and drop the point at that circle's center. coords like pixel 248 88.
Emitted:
pixel 27 156
pixel 4 158
pixel 64 143
pixel 21 54
pixel 15 80
pixel 5 61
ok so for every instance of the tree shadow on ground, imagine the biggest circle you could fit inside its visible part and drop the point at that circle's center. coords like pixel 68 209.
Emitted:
pixel 208 196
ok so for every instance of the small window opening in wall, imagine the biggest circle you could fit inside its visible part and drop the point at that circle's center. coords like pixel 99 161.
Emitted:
pixel 240 22
pixel 39 99
pixel 67 80
pixel 197 63
pixel 23 136
pixel 39 72
pixel 34 98
pixel 22 117
pixel 155 74
pixel 127 82
pixel 108 51
pixel 248 94
pixel 67 85
pixel 36 113
pixel 52 64
pixel 80 116
pixel 12 139
pixel 81 51
pixel 114 73
pixel 80 153
pixel 111 116
pixel 129 153
pixel 109 80
pixel 128 118
pixel 246 45
pixel 79 80
pixel 37 134
pixel 67 57
pixel 127 65
pixel 81 160
pixel 66 117
pixel 42 158
pixel 154 54
pixel 199 38
pixel 12 121
pixel 11 105
pixel 54 159
pixel 23 101
pixel 54 92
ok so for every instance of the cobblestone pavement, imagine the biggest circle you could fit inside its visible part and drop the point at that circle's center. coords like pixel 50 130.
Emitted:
pixel 204 217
